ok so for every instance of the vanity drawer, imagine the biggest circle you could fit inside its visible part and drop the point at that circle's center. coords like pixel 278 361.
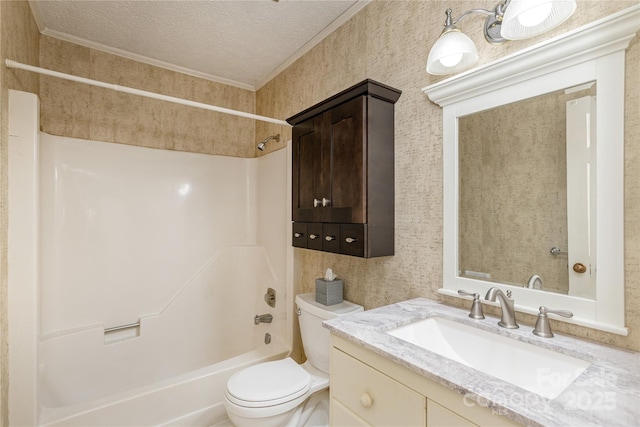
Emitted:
pixel 442 417
pixel 376 398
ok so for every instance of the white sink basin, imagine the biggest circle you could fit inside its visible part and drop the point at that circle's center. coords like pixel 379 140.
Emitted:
pixel 539 370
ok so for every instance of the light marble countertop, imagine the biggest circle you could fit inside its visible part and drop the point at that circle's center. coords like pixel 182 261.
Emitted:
pixel 607 393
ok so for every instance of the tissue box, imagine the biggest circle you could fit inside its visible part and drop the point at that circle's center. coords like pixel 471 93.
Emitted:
pixel 329 292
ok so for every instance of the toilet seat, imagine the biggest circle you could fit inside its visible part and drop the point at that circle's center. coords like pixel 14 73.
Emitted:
pixel 268 384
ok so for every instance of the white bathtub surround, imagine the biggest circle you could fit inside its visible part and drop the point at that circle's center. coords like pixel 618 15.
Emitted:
pixel 606 393
pixel 149 268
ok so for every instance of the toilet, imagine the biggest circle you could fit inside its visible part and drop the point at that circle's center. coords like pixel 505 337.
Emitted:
pixel 284 393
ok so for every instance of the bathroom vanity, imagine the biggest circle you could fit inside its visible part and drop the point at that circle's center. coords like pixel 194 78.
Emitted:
pixel 380 379
pixel 368 389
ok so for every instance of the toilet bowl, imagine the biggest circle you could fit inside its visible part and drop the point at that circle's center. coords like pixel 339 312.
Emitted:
pixel 283 393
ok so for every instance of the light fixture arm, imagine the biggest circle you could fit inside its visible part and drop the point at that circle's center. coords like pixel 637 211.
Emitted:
pixel 494 19
pixel 449 21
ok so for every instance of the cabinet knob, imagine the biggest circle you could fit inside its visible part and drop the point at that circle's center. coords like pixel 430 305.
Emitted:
pixel 297 235
pixel 324 202
pixel 350 240
pixel 313 236
pixel 366 400
pixel 329 238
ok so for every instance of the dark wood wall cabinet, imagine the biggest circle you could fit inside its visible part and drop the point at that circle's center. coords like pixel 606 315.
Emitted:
pixel 343 172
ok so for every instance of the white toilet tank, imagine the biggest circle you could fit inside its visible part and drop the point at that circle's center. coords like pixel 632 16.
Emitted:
pixel 315 338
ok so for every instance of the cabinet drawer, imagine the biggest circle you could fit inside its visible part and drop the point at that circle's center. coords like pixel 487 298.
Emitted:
pixel 299 237
pixel 352 239
pixel 373 396
pixel 331 238
pixel 315 236
pixel 442 417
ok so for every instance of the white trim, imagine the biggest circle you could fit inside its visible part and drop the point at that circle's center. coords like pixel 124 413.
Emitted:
pixel 593 53
pixel 24 120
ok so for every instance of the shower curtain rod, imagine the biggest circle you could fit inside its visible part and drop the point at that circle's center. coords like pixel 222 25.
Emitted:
pixel 14 64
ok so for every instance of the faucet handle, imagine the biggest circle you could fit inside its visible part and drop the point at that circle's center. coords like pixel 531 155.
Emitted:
pixel 543 328
pixel 476 306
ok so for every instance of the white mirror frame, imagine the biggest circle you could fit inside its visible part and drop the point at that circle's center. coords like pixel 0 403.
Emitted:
pixel 594 52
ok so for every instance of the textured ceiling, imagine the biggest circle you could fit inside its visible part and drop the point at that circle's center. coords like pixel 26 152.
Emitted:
pixel 239 42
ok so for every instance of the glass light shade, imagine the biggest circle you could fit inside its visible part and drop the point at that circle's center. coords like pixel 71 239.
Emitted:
pixel 452 52
pixel 528 18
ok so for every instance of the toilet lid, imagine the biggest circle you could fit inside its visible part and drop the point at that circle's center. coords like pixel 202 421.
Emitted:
pixel 268 383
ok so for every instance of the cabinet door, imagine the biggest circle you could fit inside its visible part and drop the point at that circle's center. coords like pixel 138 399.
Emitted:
pixel 309 173
pixel 347 139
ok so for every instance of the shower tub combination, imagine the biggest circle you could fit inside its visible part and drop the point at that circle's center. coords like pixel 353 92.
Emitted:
pixel 135 275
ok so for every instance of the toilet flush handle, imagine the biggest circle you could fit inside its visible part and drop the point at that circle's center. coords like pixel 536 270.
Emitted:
pixel 298 312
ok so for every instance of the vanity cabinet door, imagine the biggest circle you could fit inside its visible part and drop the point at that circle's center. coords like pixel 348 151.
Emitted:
pixel 373 396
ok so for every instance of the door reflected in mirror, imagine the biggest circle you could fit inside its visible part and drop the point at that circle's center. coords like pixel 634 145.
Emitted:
pixel 527 193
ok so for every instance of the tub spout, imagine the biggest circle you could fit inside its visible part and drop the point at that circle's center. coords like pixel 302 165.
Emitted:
pixel 262 318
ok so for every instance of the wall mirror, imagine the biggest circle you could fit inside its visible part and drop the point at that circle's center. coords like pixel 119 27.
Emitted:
pixel 526 192
pixel 533 195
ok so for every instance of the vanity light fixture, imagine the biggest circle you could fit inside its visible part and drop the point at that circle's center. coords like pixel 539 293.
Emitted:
pixel 508 20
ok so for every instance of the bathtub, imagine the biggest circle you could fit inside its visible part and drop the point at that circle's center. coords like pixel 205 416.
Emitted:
pixel 135 275
pixel 193 399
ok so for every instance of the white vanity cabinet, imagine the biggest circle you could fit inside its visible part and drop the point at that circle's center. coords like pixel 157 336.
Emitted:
pixel 370 390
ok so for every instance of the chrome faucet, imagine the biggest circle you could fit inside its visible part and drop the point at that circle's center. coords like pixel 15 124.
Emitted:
pixel 508 319
pixel 262 318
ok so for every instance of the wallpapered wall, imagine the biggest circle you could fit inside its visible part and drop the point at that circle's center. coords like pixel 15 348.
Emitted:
pixel 389 42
